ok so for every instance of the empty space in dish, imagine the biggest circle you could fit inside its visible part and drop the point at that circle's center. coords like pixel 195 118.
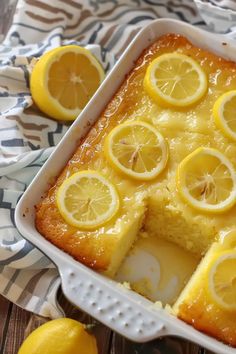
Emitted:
pixel 157 269
pixel 144 250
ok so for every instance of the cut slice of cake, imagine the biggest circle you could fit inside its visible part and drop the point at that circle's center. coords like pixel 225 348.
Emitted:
pixel 102 249
pixel 208 301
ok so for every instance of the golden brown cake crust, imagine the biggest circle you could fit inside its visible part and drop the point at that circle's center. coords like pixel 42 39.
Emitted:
pixel 95 249
pixel 196 314
pixel 91 250
pixel 88 250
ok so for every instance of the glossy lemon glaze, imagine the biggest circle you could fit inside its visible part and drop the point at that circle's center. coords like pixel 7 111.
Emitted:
pixel 195 306
pixel 155 206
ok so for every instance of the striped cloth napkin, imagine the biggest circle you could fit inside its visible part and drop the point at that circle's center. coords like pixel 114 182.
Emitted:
pixel 219 15
pixel 27 136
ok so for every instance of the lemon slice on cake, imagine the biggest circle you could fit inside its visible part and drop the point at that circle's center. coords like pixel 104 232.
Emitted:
pixel 174 79
pixel 228 240
pixel 63 81
pixel 206 180
pixel 222 280
pixel 87 200
pixel 137 149
pixel 224 112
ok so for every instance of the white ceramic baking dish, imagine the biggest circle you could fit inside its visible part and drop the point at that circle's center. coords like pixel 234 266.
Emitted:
pixel 119 308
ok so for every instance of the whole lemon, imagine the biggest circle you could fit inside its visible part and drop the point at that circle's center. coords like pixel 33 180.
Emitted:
pixel 60 336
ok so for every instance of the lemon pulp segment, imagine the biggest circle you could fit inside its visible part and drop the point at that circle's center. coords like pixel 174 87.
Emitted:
pixel 137 149
pixel 224 112
pixel 87 200
pixel 175 79
pixel 63 81
pixel 206 180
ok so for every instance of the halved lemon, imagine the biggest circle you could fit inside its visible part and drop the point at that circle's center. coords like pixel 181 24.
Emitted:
pixel 137 149
pixel 87 200
pixel 63 81
pixel 174 79
pixel 224 112
pixel 206 180
pixel 222 280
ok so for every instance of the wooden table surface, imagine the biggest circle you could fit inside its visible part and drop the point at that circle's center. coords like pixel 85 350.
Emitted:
pixel 16 323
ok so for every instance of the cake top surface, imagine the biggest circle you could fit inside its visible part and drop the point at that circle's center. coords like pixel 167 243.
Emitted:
pixel 185 129
pixel 156 206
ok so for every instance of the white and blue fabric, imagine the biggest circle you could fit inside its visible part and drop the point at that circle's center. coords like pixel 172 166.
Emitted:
pixel 27 136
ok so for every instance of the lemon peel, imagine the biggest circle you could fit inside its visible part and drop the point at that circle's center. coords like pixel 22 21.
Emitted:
pixel 60 336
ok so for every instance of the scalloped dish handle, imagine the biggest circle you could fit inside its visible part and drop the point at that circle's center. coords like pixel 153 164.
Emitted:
pixel 109 302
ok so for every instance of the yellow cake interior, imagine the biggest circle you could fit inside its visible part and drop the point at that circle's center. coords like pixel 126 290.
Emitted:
pixel 192 303
pixel 153 218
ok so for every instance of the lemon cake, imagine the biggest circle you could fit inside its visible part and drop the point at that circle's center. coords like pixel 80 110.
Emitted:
pixel 160 161
pixel 208 300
